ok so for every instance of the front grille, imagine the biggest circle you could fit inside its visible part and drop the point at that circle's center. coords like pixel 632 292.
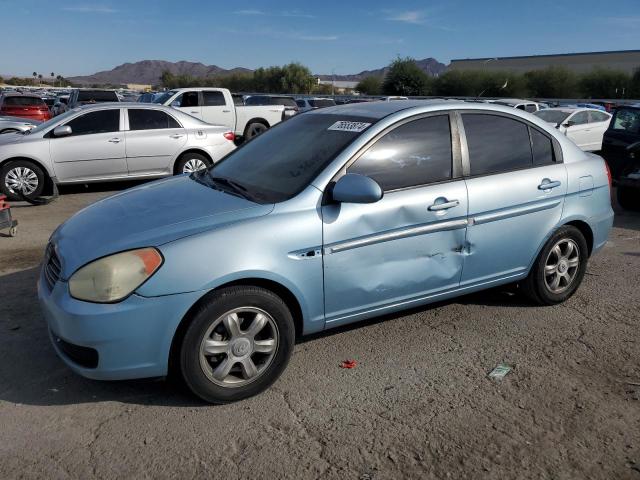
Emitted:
pixel 83 356
pixel 51 267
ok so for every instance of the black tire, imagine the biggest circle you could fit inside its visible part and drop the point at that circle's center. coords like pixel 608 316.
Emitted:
pixel 535 286
pixel 629 198
pixel 23 164
pixel 179 167
pixel 254 129
pixel 214 308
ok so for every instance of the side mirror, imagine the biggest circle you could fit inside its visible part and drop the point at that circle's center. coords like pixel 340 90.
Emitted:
pixel 62 131
pixel 634 147
pixel 355 188
pixel 570 123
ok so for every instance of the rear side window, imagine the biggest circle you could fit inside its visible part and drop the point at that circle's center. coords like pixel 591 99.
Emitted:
pixel 143 119
pixel 213 99
pixel 102 121
pixel 627 120
pixel 23 102
pixel 496 144
pixel 542 148
pixel 598 117
pixel 300 103
pixel 413 154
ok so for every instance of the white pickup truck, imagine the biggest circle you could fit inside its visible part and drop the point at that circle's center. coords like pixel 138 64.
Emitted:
pixel 217 106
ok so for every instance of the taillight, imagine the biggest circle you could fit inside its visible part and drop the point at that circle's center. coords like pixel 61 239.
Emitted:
pixel 229 136
pixel 606 166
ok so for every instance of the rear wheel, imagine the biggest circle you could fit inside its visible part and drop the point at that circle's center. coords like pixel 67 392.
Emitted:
pixel 628 198
pixel 191 162
pixel 559 268
pixel 21 176
pixel 254 129
pixel 237 344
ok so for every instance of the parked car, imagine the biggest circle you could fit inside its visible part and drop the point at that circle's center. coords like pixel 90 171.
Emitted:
pixel 16 124
pixel 335 216
pixel 60 105
pixel 103 142
pixel 621 150
pixel 306 104
pixel 526 105
pixel 89 96
pixel 393 98
pixel 24 105
pixel 289 103
pixel 148 97
pixel 585 126
pixel 217 107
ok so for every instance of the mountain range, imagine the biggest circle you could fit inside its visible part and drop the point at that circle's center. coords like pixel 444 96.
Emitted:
pixel 148 72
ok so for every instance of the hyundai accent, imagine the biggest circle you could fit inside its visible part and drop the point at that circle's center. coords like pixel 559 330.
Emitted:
pixel 335 216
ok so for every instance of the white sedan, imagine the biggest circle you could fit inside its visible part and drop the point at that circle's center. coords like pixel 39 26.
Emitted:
pixel 585 126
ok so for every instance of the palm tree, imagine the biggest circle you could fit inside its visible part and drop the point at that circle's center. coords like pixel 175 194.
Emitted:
pixel 59 78
pixel 52 81
pixel 40 77
pixel 34 74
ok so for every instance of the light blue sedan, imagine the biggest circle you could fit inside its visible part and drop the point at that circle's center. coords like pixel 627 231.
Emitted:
pixel 329 218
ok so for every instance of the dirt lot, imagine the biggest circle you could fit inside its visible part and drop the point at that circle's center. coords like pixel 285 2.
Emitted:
pixel 418 405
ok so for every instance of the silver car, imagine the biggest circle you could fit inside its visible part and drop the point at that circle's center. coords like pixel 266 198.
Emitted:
pixel 109 141
pixel 16 124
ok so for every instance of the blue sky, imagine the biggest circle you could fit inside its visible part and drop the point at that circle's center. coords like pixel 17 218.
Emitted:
pixel 76 37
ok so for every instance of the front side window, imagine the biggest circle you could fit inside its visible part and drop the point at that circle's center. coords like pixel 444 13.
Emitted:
pixel 213 99
pixel 530 107
pixel 101 121
pixel 187 99
pixel 415 153
pixel 145 119
pixel 496 143
pixel 553 116
pixel 598 117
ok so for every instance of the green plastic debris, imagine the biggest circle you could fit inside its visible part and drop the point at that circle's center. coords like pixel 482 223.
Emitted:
pixel 500 371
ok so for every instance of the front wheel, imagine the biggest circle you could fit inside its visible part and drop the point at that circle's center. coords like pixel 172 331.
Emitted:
pixel 559 268
pixel 237 344
pixel 21 176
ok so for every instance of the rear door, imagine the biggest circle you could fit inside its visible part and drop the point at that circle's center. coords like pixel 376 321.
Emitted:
pixel 599 122
pixel 153 140
pixel 95 150
pixel 407 245
pixel 215 109
pixel 189 102
pixel 517 184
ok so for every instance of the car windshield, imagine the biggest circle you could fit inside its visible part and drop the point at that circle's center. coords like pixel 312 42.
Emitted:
pixel 45 125
pixel 93 96
pixel 162 98
pixel 552 116
pixel 281 162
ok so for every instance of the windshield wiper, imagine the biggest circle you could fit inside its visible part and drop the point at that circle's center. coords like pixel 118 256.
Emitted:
pixel 223 184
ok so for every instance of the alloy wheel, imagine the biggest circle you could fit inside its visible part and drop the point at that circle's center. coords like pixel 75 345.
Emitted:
pixel 562 265
pixel 239 346
pixel 193 165
pixel 21 179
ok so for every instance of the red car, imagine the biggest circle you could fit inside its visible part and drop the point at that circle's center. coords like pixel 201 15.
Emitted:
pixel 25 106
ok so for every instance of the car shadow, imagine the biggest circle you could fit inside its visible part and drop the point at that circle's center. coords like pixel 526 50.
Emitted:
pixel 31 373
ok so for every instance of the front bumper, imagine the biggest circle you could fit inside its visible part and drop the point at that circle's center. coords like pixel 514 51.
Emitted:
pixel 132 338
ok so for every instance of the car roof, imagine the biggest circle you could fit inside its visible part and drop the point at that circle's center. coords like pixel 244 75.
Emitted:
pixel 513 101
pixel 381 109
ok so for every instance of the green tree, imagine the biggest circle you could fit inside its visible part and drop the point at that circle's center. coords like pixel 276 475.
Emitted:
pixel 603 83
pixel 371 85
pixel 552 82
pixel 404 77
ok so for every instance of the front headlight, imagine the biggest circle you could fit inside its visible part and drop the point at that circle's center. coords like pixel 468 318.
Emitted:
pixel 111 279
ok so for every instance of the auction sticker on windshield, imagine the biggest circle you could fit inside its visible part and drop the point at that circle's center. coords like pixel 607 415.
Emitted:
pixel 346 126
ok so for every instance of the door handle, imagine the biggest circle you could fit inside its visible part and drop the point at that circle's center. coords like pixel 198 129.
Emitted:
pixel 114 140
pixel 226 111
pixel 195 111
pixel 442 203
pixel 547 184
pixel 176 135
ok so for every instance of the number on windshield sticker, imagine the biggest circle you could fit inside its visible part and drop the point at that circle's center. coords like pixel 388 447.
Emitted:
pixel 345 126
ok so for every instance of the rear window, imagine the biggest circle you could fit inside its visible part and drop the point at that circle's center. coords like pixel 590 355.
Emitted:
pixel 97 96
pixel 627 120
pixel 321 103
pixel 23 102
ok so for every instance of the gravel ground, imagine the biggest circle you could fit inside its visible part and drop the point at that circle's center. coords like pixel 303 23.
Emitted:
pixel 418 405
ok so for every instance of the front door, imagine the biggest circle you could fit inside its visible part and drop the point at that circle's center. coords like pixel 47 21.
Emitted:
pixel 153 140
pixel 95 149
pixel 407 246
pixel 516 187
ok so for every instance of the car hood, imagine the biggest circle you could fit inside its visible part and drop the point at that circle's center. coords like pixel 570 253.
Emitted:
pixel 148 215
